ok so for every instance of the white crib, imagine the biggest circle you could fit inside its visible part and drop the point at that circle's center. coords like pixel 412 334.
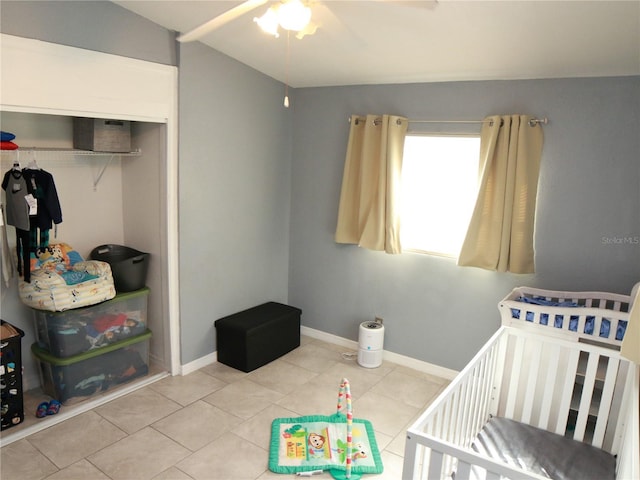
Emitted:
pixel 539 370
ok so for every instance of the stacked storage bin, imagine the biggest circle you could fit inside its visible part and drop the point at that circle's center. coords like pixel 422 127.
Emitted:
pixel 85 351
pixel 12 405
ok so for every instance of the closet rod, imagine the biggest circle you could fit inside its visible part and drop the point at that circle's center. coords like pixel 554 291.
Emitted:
pixel 532 122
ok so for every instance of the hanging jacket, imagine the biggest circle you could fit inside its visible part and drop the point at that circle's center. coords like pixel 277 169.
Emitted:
pixel 41 185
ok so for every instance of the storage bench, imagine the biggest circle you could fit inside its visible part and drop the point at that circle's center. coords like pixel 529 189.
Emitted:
pixel 252 338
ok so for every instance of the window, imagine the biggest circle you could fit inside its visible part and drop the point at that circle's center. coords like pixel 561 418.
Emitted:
pixel 439 189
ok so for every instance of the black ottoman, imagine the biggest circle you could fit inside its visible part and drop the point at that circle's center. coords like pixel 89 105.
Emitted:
pixel 252 338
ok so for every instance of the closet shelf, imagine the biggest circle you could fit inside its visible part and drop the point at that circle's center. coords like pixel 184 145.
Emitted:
pixel 30 153
pixel 72 151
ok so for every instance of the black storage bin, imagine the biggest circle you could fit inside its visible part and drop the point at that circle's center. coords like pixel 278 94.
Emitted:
pixel 128 266
pixel 252 338
pixel 11 405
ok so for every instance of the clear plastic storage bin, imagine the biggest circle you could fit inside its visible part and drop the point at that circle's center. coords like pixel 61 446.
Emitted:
pixel 71 332
pixel 93 372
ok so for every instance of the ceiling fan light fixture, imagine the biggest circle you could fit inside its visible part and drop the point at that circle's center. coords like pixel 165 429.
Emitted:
pixel 293 15
pixel 268 22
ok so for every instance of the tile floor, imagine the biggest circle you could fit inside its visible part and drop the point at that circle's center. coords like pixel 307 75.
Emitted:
pixel 215 423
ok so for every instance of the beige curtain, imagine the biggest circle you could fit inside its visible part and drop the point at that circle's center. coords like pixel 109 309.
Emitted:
pixel 500 234
pixel 368 215
pixel 631 342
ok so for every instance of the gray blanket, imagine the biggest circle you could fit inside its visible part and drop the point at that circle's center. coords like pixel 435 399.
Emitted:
pixel 545 453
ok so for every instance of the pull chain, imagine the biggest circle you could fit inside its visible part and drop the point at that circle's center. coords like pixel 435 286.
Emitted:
pixel 286 83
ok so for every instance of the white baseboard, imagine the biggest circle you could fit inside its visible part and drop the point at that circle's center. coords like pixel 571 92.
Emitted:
pixel 403 360
pixel 190 367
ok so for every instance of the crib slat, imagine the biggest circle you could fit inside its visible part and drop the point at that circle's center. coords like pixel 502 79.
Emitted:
pixel 435 465
pixel 463 471
pixel 453 418
pixel 475 401
pixel 585 398
pixel 567 388
pixel 553 358
pixel 446 419
pixel 516 368
pixel 467 406
pixel 534 366
pixel 480 414
pixel 605 402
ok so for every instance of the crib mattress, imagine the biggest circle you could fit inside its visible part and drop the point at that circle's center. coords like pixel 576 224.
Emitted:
pixel 48 290
pixel 542 452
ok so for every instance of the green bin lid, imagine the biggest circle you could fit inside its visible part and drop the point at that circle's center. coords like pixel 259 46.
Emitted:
pixel 48 357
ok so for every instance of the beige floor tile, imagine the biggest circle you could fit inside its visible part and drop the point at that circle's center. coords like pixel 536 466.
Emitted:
pixel 257 430
pixel 243 398
pixel 188 388
pixel 227 458
pixel 138 409
pixel 386 414
pixel 407 389
pixel 140 456
pixel 76 438
pixel 313 357
pixel 224 372
pixel 269 475
pixel 311 399
pixel 423 375
pixel 382 440
pixel 78 471
pixel 197 424
pixel 173 474
pixel 392 468
pixel 20 460
pixel 361 380
pixel 397 444
pixel 281 376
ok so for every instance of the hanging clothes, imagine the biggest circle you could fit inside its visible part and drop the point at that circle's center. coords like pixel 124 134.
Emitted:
pixel 42 186
pixel 32 231
pixel 15 186
pixel 7 262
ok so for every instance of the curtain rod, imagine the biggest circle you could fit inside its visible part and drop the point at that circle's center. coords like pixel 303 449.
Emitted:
pixel 532 122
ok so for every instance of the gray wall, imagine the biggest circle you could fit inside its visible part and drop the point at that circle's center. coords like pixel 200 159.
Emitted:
pixel 94 25
pixel 235 177
pixel 433 310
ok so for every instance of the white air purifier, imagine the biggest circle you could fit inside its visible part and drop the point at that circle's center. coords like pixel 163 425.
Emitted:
pixel 370 344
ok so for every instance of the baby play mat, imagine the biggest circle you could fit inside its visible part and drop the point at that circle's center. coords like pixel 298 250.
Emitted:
pixel 339 443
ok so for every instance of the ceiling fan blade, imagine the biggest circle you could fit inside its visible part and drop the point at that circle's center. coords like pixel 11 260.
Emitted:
pixel 220 20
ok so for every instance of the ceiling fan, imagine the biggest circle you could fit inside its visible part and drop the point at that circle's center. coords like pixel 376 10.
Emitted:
pixel 291 15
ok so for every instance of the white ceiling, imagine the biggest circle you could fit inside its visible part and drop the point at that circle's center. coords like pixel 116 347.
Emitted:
pixel 381 42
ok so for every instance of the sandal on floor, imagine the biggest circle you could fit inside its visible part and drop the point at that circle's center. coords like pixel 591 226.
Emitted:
pixel 41 411
pixel 54 407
